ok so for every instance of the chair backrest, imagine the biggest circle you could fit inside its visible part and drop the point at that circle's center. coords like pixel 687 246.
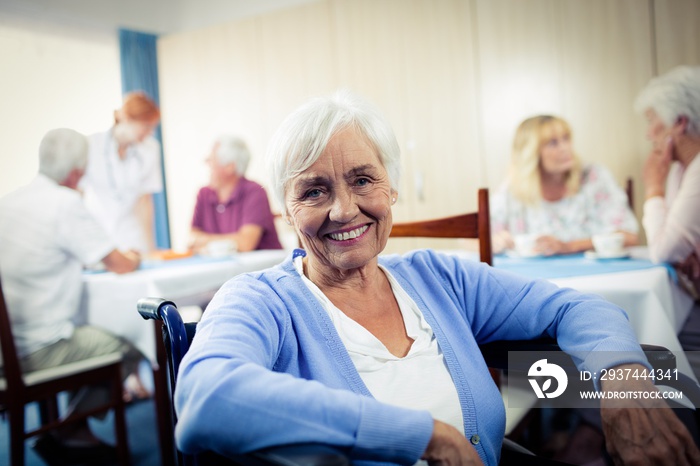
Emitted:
pixel 176 340
pixel 472 225
pixel 10 361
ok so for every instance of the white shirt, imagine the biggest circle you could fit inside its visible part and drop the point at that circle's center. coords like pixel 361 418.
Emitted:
pixel 46 235
pixel 113 186
pixel 420 380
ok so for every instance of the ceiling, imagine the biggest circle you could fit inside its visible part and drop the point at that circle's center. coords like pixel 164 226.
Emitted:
pixel 154 16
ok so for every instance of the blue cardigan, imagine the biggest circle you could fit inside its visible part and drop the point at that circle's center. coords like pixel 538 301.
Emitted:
pixel 267 366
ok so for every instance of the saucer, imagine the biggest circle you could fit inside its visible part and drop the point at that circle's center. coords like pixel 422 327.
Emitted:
pixel 624 254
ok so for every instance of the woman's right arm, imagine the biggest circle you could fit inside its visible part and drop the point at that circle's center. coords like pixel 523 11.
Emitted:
pixel 230 399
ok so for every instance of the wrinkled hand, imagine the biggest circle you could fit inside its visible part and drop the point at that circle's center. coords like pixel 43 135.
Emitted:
pixel 549 246
pixel 502 241
pixel 133 254
pixel 199 242
pixel 644 432
pixel 656 170
pixel 448 447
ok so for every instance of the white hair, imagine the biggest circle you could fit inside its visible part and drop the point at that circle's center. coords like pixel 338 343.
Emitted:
pixel 233 149
pixel 61 151
pixel 674 94
pixel 304 134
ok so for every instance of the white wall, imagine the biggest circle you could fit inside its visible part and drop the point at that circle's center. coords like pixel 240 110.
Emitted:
pixel 51 77
pixel 454 77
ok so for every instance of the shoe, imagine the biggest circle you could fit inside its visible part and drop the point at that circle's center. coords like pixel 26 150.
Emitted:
pixel 54 453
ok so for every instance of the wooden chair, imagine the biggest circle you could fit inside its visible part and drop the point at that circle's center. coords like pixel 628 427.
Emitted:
pixel 472 225
pixel 18 389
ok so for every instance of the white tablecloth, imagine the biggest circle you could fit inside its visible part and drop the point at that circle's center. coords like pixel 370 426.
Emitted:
pixel 109 300
pixel 657 307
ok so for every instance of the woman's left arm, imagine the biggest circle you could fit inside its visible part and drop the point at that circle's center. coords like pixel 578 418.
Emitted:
pixel 501 305
pixel 529 309
pixel 516 308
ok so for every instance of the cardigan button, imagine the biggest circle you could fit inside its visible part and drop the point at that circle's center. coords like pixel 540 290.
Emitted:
pixel 475 439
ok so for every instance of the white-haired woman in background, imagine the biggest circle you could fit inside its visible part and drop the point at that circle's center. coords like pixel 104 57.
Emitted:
pixel 551 196
pixel 232 208
pixel 671 105
pixel 379 355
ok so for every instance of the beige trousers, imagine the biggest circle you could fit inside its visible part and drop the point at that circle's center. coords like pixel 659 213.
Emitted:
pixel 86 342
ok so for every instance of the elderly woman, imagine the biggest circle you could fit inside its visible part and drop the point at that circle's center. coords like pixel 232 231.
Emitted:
pixel 232 208
pixel 549 195
pixel 671 105
pixel 377 355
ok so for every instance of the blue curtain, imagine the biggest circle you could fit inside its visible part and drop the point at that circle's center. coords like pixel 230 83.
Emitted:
pixel 139 66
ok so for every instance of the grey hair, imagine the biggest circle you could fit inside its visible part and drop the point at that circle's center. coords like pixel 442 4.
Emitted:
pixel 304 134
pixel 233 150
pixel 61 151
pixel 674 94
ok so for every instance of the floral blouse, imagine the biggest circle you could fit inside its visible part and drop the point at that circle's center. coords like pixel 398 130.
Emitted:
pixel 600 206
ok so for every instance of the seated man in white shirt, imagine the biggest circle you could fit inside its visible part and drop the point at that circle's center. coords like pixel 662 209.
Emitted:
pixel 46 237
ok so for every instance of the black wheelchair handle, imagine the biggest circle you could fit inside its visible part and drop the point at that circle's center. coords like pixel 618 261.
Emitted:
pixel 149 308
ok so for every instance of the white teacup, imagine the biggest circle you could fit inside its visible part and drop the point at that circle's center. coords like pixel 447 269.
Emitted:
pixel 525 245
pixel 220 247
pixel 609 244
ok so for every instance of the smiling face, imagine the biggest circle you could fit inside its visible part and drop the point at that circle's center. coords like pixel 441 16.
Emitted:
pixel 341 205
pixel 556 150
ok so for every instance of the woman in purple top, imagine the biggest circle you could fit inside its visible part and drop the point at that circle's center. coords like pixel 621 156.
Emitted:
pixel 232 207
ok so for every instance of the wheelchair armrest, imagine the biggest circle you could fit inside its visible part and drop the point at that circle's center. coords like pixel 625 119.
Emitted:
pixel 149 308
pixel 310 454
pixel 496 353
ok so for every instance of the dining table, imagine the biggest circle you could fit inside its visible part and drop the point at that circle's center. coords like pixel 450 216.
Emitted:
pixel 109 299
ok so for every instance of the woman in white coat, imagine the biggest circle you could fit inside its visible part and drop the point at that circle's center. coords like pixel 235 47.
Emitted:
pixel 123 172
